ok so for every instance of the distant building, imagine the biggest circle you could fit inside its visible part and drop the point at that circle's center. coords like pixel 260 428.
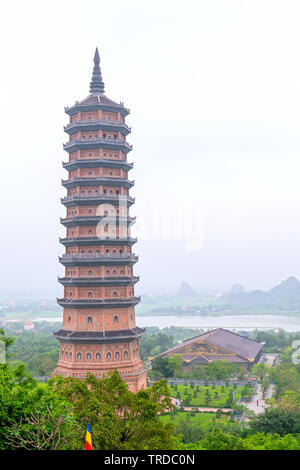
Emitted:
pixel 218 344
pixel 29 326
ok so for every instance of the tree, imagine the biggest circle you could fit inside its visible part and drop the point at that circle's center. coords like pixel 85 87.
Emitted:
pixel 175 364
pixel 18 393
pixel 53 428
pixel 168 366
pixel 277 420
pixel 261 441
pixel 154 344
pixel 43 364
pixel 262 371
pixel 6 340
pixel 119 419
pixel 286 377
pixel 289 401
pixel 189 432
pixel 219 440
pixel 220 370
pixel 38 351
pixel 31 415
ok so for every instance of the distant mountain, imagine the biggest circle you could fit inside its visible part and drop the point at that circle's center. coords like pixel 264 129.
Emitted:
pixel 285 295
pixel 236 289
pixel 185 290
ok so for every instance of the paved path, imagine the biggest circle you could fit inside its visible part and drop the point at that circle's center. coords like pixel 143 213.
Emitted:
pixel 207 410
pixel 270 359
pixel 198 408
pixel 257 397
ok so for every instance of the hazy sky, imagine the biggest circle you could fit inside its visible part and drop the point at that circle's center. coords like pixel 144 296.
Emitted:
pixel 214 92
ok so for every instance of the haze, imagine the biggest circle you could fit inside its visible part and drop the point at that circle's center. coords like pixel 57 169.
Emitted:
pixel 214 92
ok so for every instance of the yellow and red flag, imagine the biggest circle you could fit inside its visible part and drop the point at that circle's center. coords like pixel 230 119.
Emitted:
pixel 88 439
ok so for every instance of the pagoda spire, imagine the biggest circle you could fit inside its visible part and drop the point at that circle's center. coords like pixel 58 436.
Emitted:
pixel 97 85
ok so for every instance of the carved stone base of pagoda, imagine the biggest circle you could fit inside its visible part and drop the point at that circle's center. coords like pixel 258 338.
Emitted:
pixel 135 377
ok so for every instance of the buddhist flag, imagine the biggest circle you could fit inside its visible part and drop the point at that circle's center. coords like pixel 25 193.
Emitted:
pixel 88 439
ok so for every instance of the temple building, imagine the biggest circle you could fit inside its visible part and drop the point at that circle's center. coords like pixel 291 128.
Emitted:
pixel 218 344
pixel 99 333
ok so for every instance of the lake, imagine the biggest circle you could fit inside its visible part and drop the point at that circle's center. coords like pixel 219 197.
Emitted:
pixel 238 322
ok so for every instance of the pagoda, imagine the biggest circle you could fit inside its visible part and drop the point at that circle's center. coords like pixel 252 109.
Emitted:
pixel 99 333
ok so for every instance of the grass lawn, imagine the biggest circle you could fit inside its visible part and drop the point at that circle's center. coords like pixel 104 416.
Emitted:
pixel 218 398
pixel 203 419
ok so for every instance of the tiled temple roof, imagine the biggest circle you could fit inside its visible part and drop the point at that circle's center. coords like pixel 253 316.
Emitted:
pixel 236 348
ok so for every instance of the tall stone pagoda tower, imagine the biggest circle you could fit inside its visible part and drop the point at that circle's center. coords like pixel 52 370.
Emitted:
pixel 99 333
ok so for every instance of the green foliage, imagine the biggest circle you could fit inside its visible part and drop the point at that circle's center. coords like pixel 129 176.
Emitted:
pixel 217 370
pixel 277 420
pixel 289 400
pixel 153 344
pixel 275 342
pixel 49 425
pixel 262 441
pixel 189 432
pixel 18 394
pixel 38 351
pixel 206 395
pixel 119 419
pixel 168 366
pixel 55 415
pixel 220 440
pixel 246 391
pixel 286 377
pixel 262 371
pixel 7 340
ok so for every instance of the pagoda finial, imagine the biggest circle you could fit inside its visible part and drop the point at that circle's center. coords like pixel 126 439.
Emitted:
pixel 97 85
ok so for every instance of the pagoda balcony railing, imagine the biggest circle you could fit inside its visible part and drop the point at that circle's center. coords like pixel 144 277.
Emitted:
pixel 108 161
pixel 110 299
pixel 96 140
pixel 88 179
pixel 67 256
pixel 98 196
pixel 90 240
pixel 97 301
pixel 95 219
pixel 71 279
pixel 121 159
pixel 96 121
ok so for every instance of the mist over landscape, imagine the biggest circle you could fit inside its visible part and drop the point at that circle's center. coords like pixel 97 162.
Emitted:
pixel 214 128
